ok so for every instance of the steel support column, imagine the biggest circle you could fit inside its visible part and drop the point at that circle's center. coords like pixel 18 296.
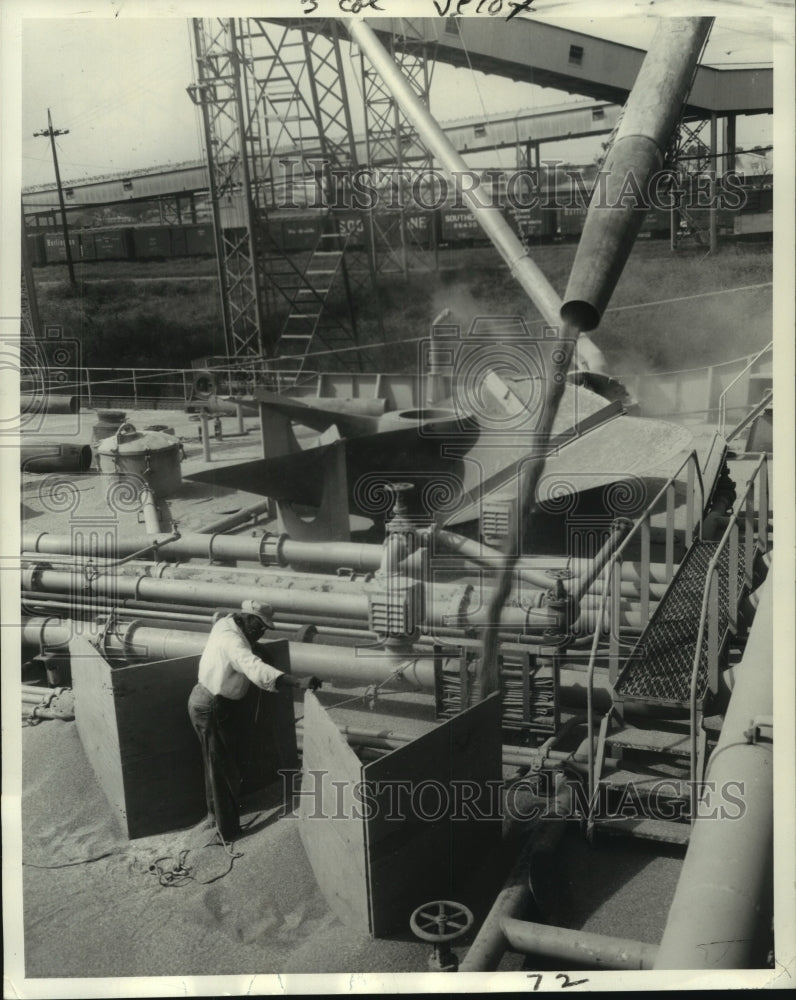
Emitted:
pixel 274 105
pixel 397 245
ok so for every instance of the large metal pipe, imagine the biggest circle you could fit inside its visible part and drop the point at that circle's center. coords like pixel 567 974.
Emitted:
pixel 390 740
pixel 636 156
pixel 582 948
pixel 55 456
pixel 277 577
pixel 271 549
pixel 114 587
pixel 522 267
pixel 48 404
pixel 489 558
pixel 720 914
pixel 267 549
pixel 238 518
pixel 355 666
pixel 447 606
pixel 487 949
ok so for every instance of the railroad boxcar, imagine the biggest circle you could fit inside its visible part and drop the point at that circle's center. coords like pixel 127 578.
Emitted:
pixel 458 226
pixel 55 248
pixel 656 225
pixel 533 224
pixel 420 229
pixel 570 222
pixel 351 226
pixel 152 242
pixel 113 244
pixel 199 240
pixel 298 233
pixel 179 247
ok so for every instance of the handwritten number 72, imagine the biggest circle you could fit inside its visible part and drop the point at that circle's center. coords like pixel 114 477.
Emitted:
pixel 566 981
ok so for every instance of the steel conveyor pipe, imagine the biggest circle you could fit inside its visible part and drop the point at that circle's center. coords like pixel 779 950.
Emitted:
pixel 720 914
pixel 637 153
pixel 54 456
pixel 271 550
pixel 266 549
pixel 115 587
pixel 457 607
pixel 581 948
pixel 522 267
pixel 352 665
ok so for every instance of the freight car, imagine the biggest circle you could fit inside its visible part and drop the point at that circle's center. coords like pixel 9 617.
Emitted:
pixel 450 226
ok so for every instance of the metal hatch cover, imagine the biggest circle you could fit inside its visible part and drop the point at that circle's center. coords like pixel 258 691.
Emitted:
pixel 390 835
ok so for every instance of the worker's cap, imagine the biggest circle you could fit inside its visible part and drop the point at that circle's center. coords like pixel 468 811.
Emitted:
pixel 262 611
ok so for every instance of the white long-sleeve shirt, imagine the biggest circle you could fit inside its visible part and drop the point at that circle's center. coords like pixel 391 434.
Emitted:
pixel 228 663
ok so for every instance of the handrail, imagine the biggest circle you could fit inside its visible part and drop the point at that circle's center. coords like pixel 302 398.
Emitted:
pixel 723 396
pixel 609 577
pixel 178 380
pixel 744 422
pixel 732 530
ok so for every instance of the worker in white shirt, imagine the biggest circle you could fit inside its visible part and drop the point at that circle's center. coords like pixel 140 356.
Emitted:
pixel 227 666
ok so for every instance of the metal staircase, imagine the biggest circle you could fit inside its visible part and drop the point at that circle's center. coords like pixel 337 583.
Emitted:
pixel 648 758
pixel 307 290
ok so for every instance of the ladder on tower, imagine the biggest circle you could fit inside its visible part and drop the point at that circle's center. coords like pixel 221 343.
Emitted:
pixel 310 323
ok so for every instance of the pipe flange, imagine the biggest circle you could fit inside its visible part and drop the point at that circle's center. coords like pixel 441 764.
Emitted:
pixel 39 537
pixel 272 549
pixel 306 633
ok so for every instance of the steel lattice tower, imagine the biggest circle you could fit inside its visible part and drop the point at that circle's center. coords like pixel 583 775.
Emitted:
pixel 399 244
pixel 276 120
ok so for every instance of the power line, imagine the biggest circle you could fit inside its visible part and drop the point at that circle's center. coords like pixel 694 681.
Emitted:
pixel 51 133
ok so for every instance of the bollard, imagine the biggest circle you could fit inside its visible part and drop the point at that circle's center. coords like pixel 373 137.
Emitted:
pixel 239 415
pixel 205 435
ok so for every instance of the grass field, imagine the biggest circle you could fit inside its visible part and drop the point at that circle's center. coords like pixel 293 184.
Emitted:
pixel 667 316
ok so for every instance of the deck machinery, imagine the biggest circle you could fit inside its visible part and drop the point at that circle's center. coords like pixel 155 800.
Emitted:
pixel 598 568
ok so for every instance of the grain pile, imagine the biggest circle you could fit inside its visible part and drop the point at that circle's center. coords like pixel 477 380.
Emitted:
pixel 92 908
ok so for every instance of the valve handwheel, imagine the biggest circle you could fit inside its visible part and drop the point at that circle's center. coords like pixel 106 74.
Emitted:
pixel 440 921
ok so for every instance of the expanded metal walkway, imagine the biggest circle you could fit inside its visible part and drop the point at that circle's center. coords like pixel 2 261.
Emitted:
pixel 659 668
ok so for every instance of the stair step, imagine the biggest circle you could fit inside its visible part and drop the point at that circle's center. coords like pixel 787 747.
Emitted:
pixel 676 742
pixel 666 831
pixel 665 786
pixel 712 724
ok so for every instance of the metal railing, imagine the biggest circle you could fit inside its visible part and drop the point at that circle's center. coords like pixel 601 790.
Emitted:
pixel 691 392
pixel 168 387
pixel 612 580
pixel 163 388
pixel 738 377
pixel 755 540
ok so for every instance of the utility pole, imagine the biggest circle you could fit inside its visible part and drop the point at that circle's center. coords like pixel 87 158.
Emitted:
pixel 52 133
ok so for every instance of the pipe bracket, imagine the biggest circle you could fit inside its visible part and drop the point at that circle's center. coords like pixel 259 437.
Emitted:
pixel 761 730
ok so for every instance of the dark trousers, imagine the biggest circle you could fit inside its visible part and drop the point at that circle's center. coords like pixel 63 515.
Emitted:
pixel 214 719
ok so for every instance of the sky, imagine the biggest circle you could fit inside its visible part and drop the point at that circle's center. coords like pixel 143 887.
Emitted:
pixel 118 84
